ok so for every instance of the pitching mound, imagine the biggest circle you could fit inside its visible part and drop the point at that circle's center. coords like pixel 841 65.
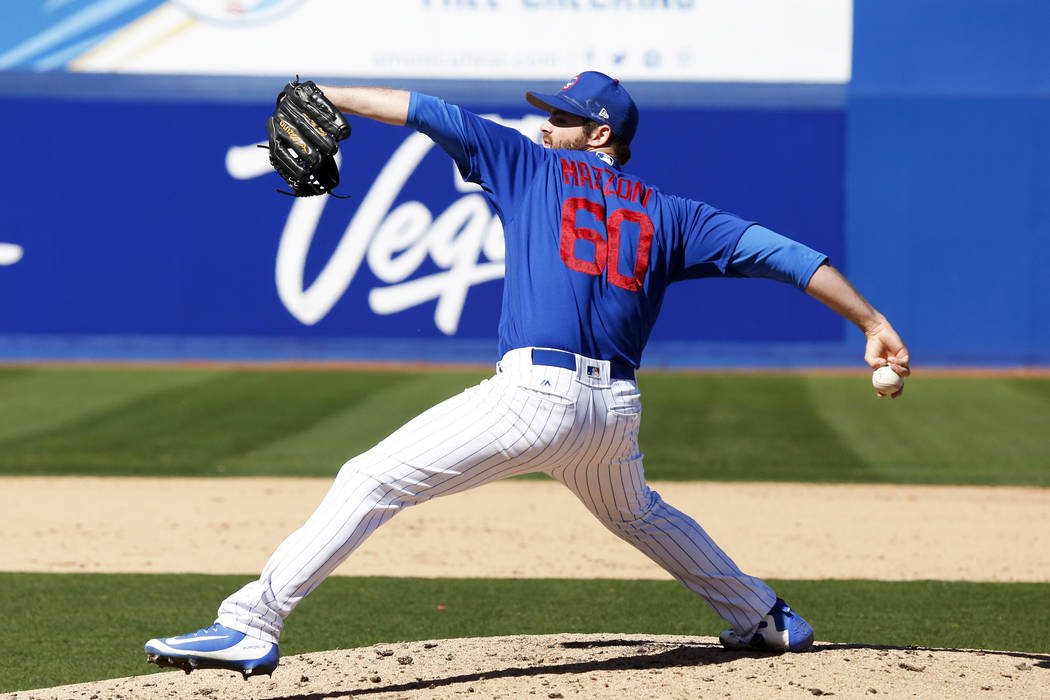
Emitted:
pixel 598 666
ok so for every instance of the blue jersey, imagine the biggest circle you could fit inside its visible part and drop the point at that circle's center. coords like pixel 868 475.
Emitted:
pixel 590 250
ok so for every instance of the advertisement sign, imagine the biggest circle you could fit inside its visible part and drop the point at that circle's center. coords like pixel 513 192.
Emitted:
pixel 168 225
pixel 680 40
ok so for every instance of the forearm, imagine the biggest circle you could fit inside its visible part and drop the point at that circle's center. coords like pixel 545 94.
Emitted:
pixel 828 286
pixel 385 105
pixel 884 346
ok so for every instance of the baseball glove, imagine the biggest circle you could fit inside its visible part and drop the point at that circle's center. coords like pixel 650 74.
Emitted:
pixel 304 132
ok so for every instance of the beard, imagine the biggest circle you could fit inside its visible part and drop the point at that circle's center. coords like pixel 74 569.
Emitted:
pixel 576 142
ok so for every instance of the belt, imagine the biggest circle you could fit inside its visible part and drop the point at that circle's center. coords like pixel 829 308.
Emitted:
pixel 567 360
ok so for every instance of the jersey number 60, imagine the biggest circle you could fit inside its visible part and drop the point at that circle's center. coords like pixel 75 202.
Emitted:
pixel 605 250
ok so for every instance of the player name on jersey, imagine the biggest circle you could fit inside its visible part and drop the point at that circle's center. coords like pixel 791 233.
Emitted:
pixel 609 182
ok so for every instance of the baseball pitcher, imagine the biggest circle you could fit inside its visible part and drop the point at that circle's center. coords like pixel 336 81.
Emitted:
pixel 590 251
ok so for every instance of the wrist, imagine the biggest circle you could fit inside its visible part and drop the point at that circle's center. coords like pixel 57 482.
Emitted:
pixel 872 325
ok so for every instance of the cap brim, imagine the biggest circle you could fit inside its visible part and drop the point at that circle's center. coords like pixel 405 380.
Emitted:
pixel 539 101
pixel 549 103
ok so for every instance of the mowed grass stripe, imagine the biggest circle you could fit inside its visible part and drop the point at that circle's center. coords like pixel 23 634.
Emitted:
pixel 192 429
pixel 700 426
pixel 1038 389
pixel 76 628
pixel 811 427
pixel 742 427
pixel 958 430
pixel 323 447
pixel 38 400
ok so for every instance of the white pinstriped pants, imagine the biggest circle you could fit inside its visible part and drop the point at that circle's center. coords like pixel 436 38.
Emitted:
pixel 579 427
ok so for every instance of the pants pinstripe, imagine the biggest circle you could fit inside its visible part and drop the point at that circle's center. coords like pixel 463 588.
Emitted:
pixel 578 426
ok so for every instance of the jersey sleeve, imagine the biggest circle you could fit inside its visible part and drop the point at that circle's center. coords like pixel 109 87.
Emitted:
pixel 766 254
pixel 500 159
pixel 708 238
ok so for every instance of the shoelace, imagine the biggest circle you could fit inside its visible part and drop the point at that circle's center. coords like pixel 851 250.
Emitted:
pixel 206 630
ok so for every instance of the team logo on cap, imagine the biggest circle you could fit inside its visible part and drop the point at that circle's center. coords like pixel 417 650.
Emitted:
pixel 571 82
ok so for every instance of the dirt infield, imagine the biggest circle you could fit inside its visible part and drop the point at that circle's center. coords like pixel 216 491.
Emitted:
pixel 531 528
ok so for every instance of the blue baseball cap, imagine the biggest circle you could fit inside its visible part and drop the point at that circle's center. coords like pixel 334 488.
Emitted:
pixel 594 96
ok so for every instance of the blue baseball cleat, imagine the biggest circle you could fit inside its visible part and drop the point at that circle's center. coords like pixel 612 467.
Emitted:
pixel 779 631
pixel 214 647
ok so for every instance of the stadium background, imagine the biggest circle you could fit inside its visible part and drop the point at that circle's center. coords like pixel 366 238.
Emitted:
pixel 907 140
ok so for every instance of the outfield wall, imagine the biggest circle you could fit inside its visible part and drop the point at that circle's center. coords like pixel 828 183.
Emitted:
pixel 948 179
pixel 163 224
pixel 146 225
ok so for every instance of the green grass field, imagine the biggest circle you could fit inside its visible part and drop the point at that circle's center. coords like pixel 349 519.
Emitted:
pixel 97 624
pixel 164 421
pixel 750 427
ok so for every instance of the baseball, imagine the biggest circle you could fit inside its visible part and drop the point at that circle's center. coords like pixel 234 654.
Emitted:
pixel 886 381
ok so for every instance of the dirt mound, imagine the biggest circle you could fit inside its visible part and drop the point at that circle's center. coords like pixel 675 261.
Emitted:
pixel 598 666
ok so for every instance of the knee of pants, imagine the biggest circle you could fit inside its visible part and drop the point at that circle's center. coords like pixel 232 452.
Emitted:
pixel 632 516
pixel 384 482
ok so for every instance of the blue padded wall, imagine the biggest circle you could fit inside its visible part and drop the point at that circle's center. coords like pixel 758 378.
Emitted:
pixel 948 175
